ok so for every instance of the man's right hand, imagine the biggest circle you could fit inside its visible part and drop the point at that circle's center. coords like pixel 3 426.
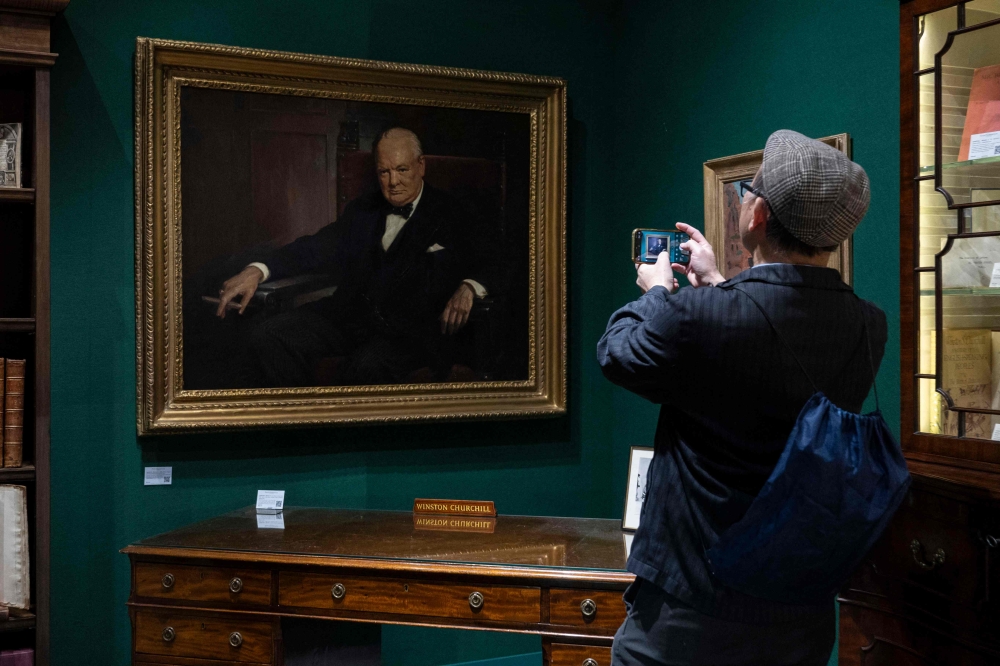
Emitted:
pixel 242 284
pixel 702 270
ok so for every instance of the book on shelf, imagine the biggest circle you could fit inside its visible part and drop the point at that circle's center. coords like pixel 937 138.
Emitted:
pixel 15 584
pixel 966 374
pixel 3 386
pixel 22 657
pixel 13 413
pixel 10 154
pixel 981 133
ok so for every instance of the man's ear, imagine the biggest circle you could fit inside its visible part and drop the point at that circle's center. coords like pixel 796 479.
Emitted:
pixel 758 219
pixel 420 165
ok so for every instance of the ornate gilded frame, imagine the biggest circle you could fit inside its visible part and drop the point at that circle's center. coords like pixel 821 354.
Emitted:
pixel 724 170
pixel 162 68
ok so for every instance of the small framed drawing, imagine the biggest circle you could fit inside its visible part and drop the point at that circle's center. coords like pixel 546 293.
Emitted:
pixel 635 489
pixel 722 178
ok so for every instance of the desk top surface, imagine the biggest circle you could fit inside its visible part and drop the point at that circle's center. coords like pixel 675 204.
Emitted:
pixel 529 542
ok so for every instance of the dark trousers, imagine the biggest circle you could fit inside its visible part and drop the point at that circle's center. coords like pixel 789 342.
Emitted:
pixel 288 346
pixel 659 629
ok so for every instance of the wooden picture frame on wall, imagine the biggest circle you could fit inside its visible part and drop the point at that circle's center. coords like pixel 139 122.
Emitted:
pixel 245 157
pixel 722 210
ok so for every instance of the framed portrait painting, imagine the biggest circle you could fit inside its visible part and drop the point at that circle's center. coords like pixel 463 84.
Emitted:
pixel 723 197
pixel 323 240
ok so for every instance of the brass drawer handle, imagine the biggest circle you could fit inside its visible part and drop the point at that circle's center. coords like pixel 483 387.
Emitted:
pixel 589 661
pixel 476 600
pixel 338 591
pixel 589 608
pixel 236 639
pixel 917 549
pixel 169 635
pixel 236 585
pixel 168 581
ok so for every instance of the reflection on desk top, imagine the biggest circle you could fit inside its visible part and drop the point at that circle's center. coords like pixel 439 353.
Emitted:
pixel 531 542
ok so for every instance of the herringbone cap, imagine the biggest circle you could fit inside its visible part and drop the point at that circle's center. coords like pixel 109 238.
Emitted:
pixel 815 192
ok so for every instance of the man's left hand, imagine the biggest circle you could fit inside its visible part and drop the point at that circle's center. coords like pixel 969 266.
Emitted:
pixel 456 312
pixel 656 275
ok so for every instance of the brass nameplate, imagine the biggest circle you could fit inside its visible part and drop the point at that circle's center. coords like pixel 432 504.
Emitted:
pixel 454 524
pixel 454 507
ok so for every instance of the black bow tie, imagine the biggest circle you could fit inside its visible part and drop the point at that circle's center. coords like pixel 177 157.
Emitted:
pixel 403 211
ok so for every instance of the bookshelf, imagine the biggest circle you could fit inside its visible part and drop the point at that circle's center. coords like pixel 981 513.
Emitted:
pixel 25 63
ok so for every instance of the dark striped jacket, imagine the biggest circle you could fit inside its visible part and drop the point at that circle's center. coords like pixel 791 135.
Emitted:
pixel 730 394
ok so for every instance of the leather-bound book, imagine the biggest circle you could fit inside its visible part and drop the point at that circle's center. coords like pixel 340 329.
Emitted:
pixel 13 421
pixel 3 384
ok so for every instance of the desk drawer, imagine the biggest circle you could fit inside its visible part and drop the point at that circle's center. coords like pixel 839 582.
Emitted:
pixel 168 581
pixel 932 550
pixel 382 595
pixel 577 655
pixel 598 609
pixel 204 637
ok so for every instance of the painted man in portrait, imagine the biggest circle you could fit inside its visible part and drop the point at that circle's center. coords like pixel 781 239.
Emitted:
pixel 408 264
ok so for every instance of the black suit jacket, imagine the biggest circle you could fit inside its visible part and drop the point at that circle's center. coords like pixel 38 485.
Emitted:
pixel 730 394
pixel 399 292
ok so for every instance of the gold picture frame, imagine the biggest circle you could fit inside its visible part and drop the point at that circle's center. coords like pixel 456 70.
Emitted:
pixel 722 209
pixel 164 70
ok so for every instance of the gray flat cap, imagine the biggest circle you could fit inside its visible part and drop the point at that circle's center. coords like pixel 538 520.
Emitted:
pixel 815 192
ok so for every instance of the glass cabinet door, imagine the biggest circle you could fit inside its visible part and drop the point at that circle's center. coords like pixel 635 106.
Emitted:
pixel 957 250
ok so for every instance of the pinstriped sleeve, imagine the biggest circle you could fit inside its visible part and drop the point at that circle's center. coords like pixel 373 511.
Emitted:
pixel 641 347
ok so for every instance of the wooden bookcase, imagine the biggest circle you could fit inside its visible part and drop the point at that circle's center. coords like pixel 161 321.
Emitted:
pixel 25 63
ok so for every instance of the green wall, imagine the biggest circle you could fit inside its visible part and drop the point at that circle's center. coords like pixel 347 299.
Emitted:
pixel 714 78
pixel 656 89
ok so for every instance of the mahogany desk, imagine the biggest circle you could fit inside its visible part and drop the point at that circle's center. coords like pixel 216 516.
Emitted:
pixel 214 592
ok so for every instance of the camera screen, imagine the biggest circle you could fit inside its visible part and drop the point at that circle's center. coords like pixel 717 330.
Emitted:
pixel 655 242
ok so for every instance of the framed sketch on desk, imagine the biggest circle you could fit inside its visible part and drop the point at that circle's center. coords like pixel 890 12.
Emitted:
pixel 635 490
pixel 324 240
pixel 723 198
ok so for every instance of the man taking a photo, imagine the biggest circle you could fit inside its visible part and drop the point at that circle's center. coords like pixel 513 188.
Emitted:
pixel 731 392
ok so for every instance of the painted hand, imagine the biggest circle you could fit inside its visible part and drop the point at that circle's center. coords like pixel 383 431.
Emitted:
pixel 456 312
pixel 242 284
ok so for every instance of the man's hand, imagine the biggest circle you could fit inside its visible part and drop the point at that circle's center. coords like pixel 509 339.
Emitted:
pixel 656 275
pixel 242 284
pixel 456 312
pixel 702 270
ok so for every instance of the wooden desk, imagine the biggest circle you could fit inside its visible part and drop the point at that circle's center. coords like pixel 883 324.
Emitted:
pixel 215 592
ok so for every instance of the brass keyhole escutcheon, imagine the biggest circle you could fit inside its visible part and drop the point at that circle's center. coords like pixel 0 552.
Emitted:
pixel 476 600
pixel 236 639
pixel 168 581
pixel 338 591
pixel 589 662
pixel 406 588
pixel 589 608
pixel 236 585
pixel 169 634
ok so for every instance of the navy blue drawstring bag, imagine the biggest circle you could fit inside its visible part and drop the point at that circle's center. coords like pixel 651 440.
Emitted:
pixel 838 481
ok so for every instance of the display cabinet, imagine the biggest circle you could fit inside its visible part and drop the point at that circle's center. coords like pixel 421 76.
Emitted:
pixel 927 593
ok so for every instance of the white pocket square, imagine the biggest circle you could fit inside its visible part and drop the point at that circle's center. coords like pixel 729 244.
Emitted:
pixel 435 248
